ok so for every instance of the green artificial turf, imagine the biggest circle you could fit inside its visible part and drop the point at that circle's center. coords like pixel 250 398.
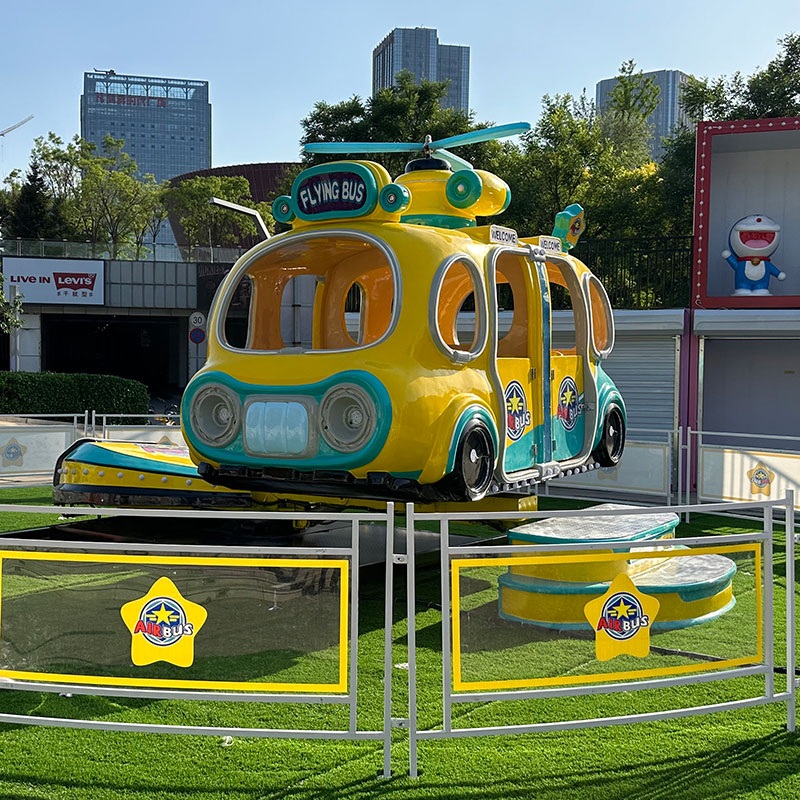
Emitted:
pixel 742 754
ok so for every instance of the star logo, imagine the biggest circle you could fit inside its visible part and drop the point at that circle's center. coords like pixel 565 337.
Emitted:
pixel 163 625
pixel 13 453
pixel 518 418
pixel 621 619
pixel 761 478
pixel 514 403
pixel 569 409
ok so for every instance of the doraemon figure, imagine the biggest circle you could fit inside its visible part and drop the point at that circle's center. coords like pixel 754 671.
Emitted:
pixel 753 240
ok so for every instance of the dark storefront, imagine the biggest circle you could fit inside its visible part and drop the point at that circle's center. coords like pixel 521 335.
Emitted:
pixel 144 348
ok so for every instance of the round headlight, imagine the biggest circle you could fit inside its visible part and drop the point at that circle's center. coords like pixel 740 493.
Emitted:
pixel 215 415
pixel 347 418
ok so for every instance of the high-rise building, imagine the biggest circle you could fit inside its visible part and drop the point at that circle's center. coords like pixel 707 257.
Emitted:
pixel 418 50
pixel 668 115
pixel 165 122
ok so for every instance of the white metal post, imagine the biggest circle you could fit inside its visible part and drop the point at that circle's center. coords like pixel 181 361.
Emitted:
pixel 388 619
pixel 791 658
pixel 769 611
pixel 670 456
pixel 444 544
pixel 689 470
pixel 411 606
pixel 680 466
pixel 354 575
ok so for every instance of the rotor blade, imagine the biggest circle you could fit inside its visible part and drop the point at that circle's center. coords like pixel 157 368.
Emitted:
pixel 17 125
pixel 361 147
pixel 482 135
pixel 456 162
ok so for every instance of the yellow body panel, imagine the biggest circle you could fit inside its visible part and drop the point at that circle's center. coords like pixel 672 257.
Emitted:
pixel 412 266
pixel 427 391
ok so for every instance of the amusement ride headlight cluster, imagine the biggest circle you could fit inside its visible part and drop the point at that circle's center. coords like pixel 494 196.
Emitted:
pixel 347 418
pixel 215 415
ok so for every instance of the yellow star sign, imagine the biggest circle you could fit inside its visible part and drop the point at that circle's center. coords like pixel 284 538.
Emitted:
pixel 761 479
pixel 621 620
pixel 566 398
pixel 13 453
pixel 163 625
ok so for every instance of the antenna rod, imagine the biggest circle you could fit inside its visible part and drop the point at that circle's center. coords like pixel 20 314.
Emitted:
pixel 250 212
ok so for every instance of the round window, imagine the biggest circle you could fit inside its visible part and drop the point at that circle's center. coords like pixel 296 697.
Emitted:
pixel 458 316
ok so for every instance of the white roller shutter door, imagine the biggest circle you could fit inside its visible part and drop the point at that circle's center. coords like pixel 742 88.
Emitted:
pixel 643 368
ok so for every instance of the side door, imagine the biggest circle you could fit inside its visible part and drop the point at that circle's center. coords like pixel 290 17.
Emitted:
pixel 567 355
pixel 517 364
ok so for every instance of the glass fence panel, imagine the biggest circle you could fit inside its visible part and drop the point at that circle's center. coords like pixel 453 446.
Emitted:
pixel 272 624
pixel 528 621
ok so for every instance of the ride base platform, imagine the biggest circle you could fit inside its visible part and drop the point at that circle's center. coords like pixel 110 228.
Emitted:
pixel 690 589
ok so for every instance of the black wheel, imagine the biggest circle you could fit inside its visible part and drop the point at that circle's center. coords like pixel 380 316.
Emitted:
pixel 612 441
pixel 474 462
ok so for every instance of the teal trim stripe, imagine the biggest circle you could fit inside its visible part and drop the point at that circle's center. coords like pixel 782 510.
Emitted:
pixel 697 590
pixel 519 454
pixel 325 457
pixel 466 415
pixel 438 221
pixel 90 453
pixel 542 538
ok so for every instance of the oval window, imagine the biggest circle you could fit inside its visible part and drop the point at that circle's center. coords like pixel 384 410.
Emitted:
pixel 602 317
pixel 332 292
pixel 458 316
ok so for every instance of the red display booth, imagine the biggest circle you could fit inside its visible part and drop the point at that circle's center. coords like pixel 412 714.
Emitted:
pixel 747 172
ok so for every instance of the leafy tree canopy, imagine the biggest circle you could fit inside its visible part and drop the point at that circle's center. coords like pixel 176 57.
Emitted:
pixel 207 224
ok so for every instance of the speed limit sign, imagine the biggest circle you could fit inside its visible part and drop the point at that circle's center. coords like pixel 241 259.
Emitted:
pixel 197 319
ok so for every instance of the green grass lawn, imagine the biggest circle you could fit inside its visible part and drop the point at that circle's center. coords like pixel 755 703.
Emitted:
pixel 743 754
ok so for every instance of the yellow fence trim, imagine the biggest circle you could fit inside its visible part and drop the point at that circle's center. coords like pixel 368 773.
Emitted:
pixel 197 685
pixel 458 564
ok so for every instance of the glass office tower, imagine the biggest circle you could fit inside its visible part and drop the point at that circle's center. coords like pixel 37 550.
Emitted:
pixel 418 50
pixel 165 122
pixel 669 114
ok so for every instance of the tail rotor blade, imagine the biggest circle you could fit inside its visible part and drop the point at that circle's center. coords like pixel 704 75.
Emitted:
pixel 482 135
pixel 455 162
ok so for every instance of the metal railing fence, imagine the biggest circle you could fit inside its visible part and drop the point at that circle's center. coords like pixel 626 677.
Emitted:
pixel 646 272
pixel 176 556
pixel 764 667
pixel 150 251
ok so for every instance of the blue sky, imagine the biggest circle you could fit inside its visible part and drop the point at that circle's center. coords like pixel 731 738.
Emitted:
pixel 268 63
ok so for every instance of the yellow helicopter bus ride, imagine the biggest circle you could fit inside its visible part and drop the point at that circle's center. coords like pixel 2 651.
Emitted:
pixel 421 365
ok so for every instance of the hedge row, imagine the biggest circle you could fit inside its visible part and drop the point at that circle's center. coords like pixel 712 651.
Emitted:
pixel 70 393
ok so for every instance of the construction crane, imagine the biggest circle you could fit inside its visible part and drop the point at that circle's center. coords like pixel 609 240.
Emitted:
pixel 17 125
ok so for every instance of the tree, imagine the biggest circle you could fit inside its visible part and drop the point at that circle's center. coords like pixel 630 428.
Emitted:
pixel 206 224
pixel 676 183
pixel 10 310
pixel 107 206
pixel 405 112
pixel 151 213
pixel 624 122
pixel 31 215
pixel 770 92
